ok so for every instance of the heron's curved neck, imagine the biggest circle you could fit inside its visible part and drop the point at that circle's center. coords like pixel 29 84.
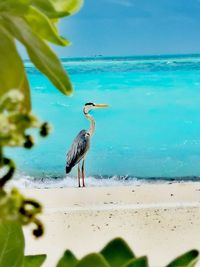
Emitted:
pixel 92 123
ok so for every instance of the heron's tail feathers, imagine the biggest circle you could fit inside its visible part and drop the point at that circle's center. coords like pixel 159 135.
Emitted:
pixel 68 169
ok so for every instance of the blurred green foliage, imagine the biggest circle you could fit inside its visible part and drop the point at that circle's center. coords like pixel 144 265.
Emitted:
pixel 33 261
pixel 118 253
pixel 13 126
pixel 33 23
pixel 11 244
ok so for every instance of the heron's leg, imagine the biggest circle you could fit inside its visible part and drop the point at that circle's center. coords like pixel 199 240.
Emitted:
pixel 79 176
pixel 83 173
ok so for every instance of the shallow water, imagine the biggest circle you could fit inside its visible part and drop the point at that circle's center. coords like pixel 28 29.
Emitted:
pixel 151 130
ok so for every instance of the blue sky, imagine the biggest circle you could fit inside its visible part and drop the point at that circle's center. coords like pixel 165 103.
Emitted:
pixel 133 27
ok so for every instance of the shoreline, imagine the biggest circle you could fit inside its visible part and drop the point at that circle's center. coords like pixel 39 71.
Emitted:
pixel 177 192
pixel 158 220
pixel 29 182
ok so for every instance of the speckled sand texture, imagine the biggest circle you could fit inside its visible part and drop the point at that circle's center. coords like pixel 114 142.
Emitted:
pixel 160 220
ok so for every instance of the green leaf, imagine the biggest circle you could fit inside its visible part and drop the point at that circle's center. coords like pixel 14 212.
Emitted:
pixel 11 244
pixel 34 261
pixel 68 260
pixel 25 89
pixel 44 27
pixel 138 262
pixel 70 6
pixel 46 7
pixel 14 7
pixel 58 8
pixel 188 259
pixel 93 260
pixel 40 54
pixel 12 74
pixel 117 252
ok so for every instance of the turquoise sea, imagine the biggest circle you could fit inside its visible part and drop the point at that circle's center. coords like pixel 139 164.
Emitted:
pixel 151 131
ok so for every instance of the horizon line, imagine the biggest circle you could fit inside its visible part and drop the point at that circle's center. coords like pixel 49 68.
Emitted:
pixel 99 56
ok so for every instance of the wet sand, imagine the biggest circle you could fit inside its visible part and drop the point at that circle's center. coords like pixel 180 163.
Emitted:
pixel 158 220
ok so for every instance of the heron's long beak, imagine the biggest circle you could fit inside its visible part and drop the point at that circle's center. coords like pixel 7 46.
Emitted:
pixel 101 106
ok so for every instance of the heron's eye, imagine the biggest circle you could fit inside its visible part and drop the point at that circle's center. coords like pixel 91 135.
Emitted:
pixel 87 134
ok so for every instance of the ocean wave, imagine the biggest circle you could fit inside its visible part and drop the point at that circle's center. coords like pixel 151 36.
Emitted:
pixel 46 182
pixel 26 181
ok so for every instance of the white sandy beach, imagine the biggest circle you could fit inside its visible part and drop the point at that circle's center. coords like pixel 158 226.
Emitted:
pixel 158 220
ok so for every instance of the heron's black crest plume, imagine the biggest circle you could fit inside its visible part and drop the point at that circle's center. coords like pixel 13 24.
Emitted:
pixel 88 104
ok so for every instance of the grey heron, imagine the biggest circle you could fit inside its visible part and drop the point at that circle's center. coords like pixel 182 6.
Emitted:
pixel 81 144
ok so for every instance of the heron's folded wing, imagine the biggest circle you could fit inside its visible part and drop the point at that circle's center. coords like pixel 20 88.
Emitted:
pixel 78 149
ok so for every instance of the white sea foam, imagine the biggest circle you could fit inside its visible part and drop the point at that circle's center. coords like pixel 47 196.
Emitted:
pixel 22 180
pixel 26 181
